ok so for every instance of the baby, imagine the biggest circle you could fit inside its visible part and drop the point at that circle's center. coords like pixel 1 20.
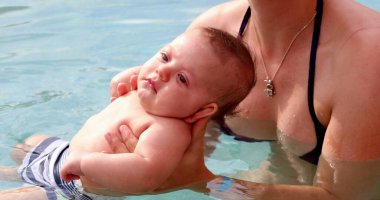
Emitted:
pixel 202 73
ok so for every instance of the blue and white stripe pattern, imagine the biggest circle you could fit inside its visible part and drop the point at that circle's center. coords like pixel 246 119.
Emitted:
pixel 41 167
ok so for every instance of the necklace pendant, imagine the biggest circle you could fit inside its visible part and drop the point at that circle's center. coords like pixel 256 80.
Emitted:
pixel 269 88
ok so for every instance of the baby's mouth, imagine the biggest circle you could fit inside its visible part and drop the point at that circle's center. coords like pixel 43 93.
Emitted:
pixel 151 84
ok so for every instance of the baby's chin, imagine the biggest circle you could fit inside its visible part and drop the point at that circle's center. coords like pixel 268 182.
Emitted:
pixel 147 102
pixel 146 97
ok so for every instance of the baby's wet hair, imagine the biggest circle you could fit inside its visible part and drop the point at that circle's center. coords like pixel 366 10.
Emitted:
pixel 235 58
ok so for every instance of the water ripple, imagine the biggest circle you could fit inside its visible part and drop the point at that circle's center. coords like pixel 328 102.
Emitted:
pixel 38 98
pixel 22 37
pixel 5 56
pixel 143 21
pixel 7 9
pixel 95 69
pixel 14 24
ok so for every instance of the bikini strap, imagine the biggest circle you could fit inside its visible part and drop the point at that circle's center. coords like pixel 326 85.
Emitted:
pixel 313 156
pixel 244 23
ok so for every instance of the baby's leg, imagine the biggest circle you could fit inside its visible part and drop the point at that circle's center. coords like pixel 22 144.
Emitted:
pixel 19 152
pixel 9 174
pixel 24 193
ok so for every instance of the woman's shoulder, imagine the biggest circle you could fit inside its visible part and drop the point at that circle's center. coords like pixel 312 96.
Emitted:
pixel 347 18
pixel 349 26
pixel 225 16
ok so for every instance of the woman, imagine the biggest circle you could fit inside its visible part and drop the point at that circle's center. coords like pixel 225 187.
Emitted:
pixel 317 80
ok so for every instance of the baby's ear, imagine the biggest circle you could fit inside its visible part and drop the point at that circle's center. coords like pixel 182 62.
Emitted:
pixel 205 111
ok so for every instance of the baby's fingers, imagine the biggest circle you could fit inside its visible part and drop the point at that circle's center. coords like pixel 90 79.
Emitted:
pixel 122 89
pixel 71 177
pixel 133 82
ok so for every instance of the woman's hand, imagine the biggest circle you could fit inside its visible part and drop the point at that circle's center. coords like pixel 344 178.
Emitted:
pixel 191 168
pixel 123 141
pixel 124 82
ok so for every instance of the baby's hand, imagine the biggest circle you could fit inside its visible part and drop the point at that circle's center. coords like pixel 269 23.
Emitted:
pixel 71 169
pixel 123 82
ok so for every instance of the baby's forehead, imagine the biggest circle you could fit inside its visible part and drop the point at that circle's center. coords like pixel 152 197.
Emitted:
pixel 215 60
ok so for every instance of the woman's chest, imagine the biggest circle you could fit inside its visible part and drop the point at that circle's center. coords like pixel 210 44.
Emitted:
pixel 284 117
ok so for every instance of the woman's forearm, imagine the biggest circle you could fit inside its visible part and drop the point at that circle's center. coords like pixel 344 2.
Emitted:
pixel 227 188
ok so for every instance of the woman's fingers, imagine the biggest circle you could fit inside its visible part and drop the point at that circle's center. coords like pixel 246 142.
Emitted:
pixel 198 129
pixel 123 141
pixel 129 139
pixel 116 144
pixel 192 167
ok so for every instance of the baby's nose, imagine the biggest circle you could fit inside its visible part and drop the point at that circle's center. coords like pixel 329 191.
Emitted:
pixel 163 73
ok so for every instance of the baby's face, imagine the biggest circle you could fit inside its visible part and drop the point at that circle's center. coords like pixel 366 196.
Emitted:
pixel 173 82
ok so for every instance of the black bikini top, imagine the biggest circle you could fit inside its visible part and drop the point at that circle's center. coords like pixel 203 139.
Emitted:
pixel 313 155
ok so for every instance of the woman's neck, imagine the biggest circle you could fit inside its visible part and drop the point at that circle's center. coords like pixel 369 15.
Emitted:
pixel 277 21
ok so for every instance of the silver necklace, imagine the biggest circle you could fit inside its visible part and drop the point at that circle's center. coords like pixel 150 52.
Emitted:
pixel 269 88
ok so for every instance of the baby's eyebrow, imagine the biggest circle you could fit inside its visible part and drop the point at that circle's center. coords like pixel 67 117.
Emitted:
pixel 171 49
pixel 167 49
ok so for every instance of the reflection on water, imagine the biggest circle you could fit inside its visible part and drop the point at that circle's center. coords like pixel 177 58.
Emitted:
pixel 347 180
pixel 343 180
pixel 281 167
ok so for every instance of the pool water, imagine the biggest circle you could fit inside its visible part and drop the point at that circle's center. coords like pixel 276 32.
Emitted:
pixel 58 57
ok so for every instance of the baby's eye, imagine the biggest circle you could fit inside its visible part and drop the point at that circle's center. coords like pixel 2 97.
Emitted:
pixel 182 78
pixel 164 57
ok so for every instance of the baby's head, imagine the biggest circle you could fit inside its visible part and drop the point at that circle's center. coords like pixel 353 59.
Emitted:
pixel 202 72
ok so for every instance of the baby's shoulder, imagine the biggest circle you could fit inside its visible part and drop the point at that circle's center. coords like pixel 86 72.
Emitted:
pixel 169 122
pixel 169 125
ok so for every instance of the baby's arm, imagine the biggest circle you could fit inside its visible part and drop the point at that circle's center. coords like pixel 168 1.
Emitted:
pixel 156 156
pixel 71 170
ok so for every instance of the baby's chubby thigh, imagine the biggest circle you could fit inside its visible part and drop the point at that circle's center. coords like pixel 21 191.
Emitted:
pixel 24 193
pixel 20 150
